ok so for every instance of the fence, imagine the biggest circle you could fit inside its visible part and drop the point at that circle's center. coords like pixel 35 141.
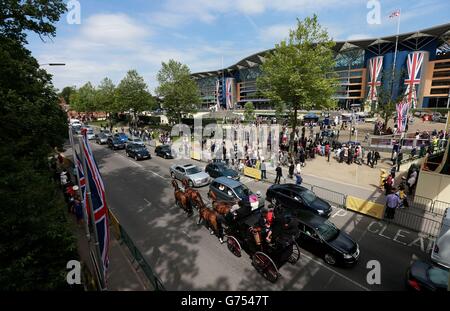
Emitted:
pixel 423 215
pixel 121 234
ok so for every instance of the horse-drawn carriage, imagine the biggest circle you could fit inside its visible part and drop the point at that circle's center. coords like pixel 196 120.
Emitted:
pixel 245 233
pixel 267 257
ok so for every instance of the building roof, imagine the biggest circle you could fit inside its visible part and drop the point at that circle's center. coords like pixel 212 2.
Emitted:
pixel 414 40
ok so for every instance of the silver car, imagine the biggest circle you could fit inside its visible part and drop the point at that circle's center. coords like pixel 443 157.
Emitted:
pixel 135 140
pixel 195 176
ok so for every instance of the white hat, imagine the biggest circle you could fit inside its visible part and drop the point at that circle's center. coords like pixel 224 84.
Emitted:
pixel 75 188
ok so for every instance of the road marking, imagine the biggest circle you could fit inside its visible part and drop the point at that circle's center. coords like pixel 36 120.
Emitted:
pixel 337 273
pixel 148 202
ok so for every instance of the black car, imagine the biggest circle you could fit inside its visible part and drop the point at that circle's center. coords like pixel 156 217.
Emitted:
pixel 137 151
pixel 295 198
pixel 321 237
pixel 422 276
pixel 220 169
pixel 164 151
pixel 115 143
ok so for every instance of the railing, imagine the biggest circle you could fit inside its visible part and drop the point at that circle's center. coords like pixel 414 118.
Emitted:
pixel 120 233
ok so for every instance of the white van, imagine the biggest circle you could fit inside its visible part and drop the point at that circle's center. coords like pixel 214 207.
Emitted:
pixel 74 121
pixel 441 249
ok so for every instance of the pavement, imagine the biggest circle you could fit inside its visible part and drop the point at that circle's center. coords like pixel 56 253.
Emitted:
pixel 186 257
pixel 123 273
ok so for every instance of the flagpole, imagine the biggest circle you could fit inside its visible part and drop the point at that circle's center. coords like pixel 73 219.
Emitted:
pixel 80 193
pixel 94 227
pixel 396 46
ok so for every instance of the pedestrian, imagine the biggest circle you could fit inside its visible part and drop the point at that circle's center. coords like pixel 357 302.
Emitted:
pixel 263 169
pixel 389 182
pixel 376 157
pixel 392 203
pixel 291 170
pixel 399 160
pixel 393 171
pixel 78 207
pixel 279 174
pixel 369 159
pixel 298 179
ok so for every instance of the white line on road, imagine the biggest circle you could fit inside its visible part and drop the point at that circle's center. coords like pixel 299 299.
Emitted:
pixel 148 202
pixel 337 273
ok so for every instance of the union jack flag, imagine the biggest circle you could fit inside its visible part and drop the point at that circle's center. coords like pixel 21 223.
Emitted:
pixel 396 13
pixel 98 199
pixel 402 116
pixel 414 64
pixel 82 185
pixel 375 65
pixel 217 95
pixel 228 93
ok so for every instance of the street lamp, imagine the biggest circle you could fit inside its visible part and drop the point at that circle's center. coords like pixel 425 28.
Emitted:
pixel 53 64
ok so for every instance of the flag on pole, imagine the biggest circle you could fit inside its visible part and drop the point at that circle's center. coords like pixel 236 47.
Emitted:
pixel 394 14
pixel 402 116
pixel 98 199
pixel 82 185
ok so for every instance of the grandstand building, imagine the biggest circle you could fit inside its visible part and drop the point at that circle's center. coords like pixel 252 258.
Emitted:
pixel 423 58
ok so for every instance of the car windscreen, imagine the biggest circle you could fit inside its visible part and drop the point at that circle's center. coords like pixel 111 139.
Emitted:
pixel 328 231
pixel 308 196
pixel 438 276
pixel 242 191
pixel 140 149
pixel 193 170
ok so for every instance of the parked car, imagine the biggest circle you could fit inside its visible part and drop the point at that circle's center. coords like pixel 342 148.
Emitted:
pixel 138 152
pixel 164 151
pixel 230 190
pixel 115 143
pixel 89 132
pixel 441 250
pixel 122 137
pixel 193 174
pixel 101 138
pixel 321 237
pixel 220 169
pixel 135 140
pixel 76 128
pixel 106 132
pixel 295 198
pixel 422 276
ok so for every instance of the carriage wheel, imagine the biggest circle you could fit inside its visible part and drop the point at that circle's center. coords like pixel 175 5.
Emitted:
pixel 295 256
pixel 265 266
pixel 234 246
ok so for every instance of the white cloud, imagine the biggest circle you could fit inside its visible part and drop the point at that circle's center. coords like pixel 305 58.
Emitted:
pixel 275 33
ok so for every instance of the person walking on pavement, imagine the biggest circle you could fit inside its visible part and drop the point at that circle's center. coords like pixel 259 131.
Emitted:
pixel 399 160
pixel 376 157
pixel 263 170
pixel 291 170
pixel 369 159
pixel 279 174
pixel 392 203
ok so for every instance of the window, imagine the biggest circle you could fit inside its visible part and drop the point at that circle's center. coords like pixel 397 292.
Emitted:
pixel 310 232
pixel 180 169
pixel 193 170
pixel 308 196
pixel 242 191
pixel 328 231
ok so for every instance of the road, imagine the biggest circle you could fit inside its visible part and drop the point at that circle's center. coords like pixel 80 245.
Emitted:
pixel 186 257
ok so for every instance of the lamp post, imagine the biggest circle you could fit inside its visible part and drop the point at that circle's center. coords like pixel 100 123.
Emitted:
pixel 52 64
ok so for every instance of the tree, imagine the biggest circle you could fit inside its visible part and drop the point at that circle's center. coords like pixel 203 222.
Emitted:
pixel 387 99
pixel 297 72
pixel 66 92
pixel 132 94
pixel 179 91
pixel 105 97
pixel 35 244
pixel 84 99
pixel 249 111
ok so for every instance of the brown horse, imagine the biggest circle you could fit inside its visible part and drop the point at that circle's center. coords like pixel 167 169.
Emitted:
pixel 181 198
pixel 210 217
pixel 191 193
pixel 223 208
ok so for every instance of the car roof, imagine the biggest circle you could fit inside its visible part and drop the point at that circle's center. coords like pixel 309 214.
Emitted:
pixel 310 219
pixel 188 165
pixel 228 182
pixel 290 187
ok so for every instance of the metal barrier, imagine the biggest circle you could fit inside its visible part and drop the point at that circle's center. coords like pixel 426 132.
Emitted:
pixel 422 203
pixel 137 255
pixel 439 207
pixel 423 223
pixel 330 196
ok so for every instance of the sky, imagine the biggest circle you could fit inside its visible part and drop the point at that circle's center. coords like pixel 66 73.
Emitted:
pixel 114 36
